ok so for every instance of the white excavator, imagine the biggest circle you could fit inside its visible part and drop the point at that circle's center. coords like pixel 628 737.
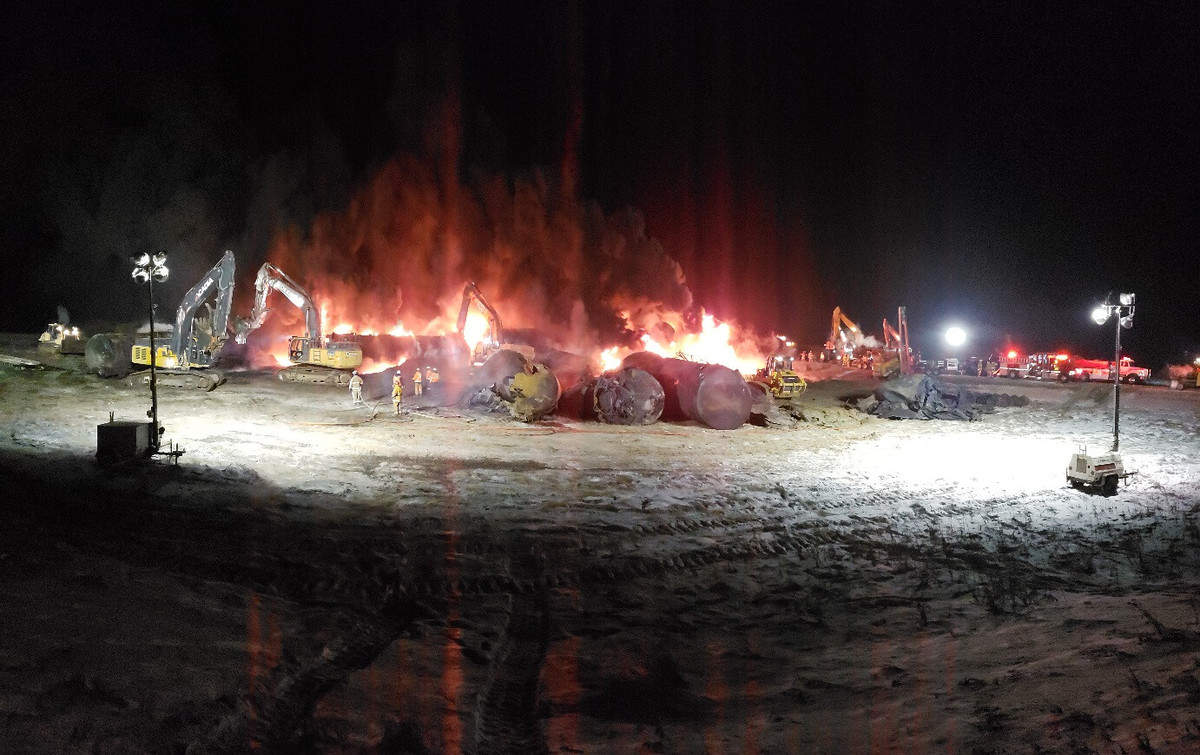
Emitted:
pixel 315 358
pixel 184 356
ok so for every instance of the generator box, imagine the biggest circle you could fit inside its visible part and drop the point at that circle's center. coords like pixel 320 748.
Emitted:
pixel 122 440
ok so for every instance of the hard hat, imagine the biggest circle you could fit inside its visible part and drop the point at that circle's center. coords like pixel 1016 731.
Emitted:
pixel 356 372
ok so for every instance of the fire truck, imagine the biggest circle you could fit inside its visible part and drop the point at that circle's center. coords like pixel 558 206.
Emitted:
pixel 1098 369
pixel 1039 366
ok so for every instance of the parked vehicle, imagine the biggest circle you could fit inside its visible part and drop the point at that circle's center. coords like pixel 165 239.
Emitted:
pixel 1098 369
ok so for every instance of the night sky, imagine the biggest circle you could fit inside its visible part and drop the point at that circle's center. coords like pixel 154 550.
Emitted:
pixel 985 163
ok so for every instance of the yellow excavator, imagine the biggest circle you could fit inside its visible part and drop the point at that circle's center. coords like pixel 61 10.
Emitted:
pixel 201 330
pixel 315 358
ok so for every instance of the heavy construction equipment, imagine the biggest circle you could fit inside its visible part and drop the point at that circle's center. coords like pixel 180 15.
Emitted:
pixel 491 342
pixel 844 334
pixel 200 332
pixel 896 357
pixel 62 338
pixel 315 358
pixel 780 378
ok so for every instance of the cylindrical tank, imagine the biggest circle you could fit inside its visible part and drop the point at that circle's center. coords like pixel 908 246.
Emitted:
pixel 628 396
pixel 534 393
pixel 109 354
pixel 711 394
pixel 530 390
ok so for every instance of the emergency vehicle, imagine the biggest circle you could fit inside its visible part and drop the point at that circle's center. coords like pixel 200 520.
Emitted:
pixel 1098 369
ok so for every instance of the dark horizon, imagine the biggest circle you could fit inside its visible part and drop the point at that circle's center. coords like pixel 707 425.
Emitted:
pixel 985 166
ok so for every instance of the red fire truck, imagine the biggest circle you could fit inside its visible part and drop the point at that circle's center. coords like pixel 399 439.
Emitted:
pixel 1040 366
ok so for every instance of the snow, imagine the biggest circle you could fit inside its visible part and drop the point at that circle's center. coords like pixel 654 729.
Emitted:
pixel 847 585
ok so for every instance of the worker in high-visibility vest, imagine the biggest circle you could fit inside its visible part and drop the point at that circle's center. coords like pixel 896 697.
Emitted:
pixel 356 384
pixel 417 382
pixel 397 392
pixel 431 379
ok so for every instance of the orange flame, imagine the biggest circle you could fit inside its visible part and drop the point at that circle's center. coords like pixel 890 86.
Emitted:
pixel 476 329
pixel 715 343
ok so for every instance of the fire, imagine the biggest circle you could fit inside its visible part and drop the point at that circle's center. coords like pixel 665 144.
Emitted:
pixel 373 366
pixel 281 360
pixel 714 343
pixel 609 358
pixel 476 329
pixel 395 258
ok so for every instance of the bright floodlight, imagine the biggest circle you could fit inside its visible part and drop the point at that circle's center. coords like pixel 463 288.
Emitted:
pixel 1100 315
pixel 956 336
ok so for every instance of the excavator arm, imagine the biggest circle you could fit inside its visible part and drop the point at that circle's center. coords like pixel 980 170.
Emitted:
pixel 840 324
pixel 271 278
pixel 471 293
pixel 220 280
pixel 891 336
pixel 897 339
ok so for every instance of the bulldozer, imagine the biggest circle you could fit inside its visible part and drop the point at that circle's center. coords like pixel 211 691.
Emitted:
pixel 780 378
pixel 315 358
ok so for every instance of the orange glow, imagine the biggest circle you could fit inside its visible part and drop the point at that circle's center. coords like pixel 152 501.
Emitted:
pixel 476 329
pixel 399 330
pixel 343 328
pixel 715 343
pixel 372 366
pixel 609 359
pixel 1012 355
pixel 281 360
pixel 1062 357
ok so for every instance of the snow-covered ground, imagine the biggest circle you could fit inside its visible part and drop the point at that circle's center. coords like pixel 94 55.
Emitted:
pixel 315 574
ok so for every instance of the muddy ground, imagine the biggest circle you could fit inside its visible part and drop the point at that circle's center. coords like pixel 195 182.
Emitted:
pixel 314 576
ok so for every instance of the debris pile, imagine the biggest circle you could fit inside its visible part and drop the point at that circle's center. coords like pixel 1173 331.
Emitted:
pixel 923 397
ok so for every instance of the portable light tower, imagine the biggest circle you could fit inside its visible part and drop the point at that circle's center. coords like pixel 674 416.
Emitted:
pixel 152 269
pixel 1104 471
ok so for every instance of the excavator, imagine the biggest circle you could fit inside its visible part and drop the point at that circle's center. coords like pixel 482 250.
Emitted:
pixel 844 336
pixel 491 343
pixel 315 358
pixel 201 330
pixel 897 354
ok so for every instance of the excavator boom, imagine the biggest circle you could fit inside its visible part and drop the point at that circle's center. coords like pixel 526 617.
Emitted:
pixel 837 330
pixel 271 278
pixel 314 360
pixel 471 293
pixel 189 352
